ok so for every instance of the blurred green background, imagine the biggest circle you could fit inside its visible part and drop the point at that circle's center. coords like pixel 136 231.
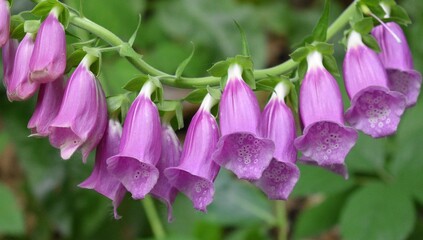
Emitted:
pixel 383 199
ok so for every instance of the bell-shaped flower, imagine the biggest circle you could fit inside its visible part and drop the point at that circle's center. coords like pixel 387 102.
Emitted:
pixel 4 22
pixel 278 124
pixel 82 117
pixel 101 180
pixel 396 57
pixel 170 157
pixel 19 87
pixel 195 174
pixel 375 109
pixel 140 148
pixel 8 54
pixel 48 61
pixel 326 140
pixel 48 105
pixel 240 149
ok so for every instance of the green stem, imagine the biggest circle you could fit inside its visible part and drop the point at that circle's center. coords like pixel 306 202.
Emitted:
pixel 282 222
pixel 185 82
pixel 153 218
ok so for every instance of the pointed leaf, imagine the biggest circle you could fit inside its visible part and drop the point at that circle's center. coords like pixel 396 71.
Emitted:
pixel 134 35
pixel 136 83
pixel 245 48
pixel 219 69
pixel 320 31
pixel 196 96
pixel 329 62
pixel 371 42
pixel 214 92
pixel 300 54
pixel 184 63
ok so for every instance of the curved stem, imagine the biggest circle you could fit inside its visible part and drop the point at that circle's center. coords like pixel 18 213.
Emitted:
pixel 282 222
pixel 153 218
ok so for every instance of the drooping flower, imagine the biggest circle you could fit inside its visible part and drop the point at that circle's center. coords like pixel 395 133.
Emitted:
pixel 397 59
pixel 278 124
pixel 375 109
pixel 170 157
pixel 48 105
pixel 82 118
pixel 48 61
pixel 140 148
pixel 326 140
pixel 19 87
pixel 8 59
pixel 101 180
pixel 4 22
pixel 240 149
pixel 196 172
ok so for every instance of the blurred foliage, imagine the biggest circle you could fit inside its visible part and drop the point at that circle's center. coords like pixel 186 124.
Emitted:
pixel 382 199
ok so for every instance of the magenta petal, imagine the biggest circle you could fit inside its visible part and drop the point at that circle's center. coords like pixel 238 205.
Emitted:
pixel 376 111
pixel 100 179
pixel 8 59
pixel 326 144
pixel 407 82
pixel 4 22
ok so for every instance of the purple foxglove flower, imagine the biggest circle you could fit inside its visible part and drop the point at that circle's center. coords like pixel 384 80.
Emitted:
pixel 101 180
pixel 82 118
pixel 4 22
pixel 375 109
pixel 48 61
pixel 240 149
pixel 398 62
pixel 48 105
pixel 140 147
pixel 196 172
pixel 170 156
pixel 326 140
pixel 19 87
pixel 277 124
pixel 8 59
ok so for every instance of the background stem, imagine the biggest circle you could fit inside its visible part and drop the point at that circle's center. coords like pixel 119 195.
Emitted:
pixel 280 208
pixel 153 218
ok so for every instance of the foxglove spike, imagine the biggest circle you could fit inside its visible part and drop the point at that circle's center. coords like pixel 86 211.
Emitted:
pixel 8 59
pixel 196 172
pixel 240 149
pixel 4 22
pixel 277 124
pixel 326 140
pixel 19 86
pixel 82 118
pixel 48 61
pixel 397 59
pixel 170 157
pixel 101 180
pixel 140 147
pixel 375 109
pixel 48 105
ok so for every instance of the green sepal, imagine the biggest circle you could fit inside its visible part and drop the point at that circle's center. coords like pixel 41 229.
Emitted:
pixel 292 98
pixel 324 48
pixel 196 96
pixel 300 54
pixel 399 15
pixel 373 6
pixel 173 106
pixel 118 105
pixel 214 92
pixel 74 59
pixel 248 76
pixel 220 69
pixel 363 26
pixel 96 66
pixel 136 83
pixel 31 26
pixel 269 83
pixel 329 62
pixel 184 63
pixel 320 30
pixel 371 42
pixel 43 8
pixel 158 94
pixel 18 32
pixel 302 69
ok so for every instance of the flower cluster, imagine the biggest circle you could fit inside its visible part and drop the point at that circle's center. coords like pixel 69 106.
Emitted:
pixel 146 157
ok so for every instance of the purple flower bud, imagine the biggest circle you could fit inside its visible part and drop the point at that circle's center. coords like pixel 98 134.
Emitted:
pixel 196 172
pixel 326 140
pixel 101 180
pixel 170 156
pixel 48 61
pixel 82 118
pixel 48 105
pixel 375 109
pixel 277 124
pixel 19 86
pixel 140 147
pixel 398 62
pixel 8 59
pixel 240 149
pixel 4 22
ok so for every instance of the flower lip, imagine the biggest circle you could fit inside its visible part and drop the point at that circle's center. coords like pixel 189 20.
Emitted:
pixel 407 82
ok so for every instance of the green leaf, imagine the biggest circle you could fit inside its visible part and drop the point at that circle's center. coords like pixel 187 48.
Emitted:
pixel 324 48
pixel 179 115
pixel 74 59
pixel 44 7
pixel 118 104
pixel 371 42
pixel 245 48
pixel 329 62
pixel 248 77
pixel 18 32
pixel 399 15
pixel 320 30
pixel 136 83
pixel 367 156
pixel 31 26
pixel 184 63
pixel 363 26
pixel 377 211
pixel 302 69
pixel 196 96
pixel 214 92
pixel 300 54
pixel 134 35
pixel 11 215
pixel 219 69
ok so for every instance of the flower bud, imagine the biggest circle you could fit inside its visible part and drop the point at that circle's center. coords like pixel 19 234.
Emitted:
pixel 4 22
pixel 8 59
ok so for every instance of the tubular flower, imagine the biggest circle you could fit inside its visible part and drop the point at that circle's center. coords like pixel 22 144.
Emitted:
pixel 398 62
pixel 48 105
pixel 101 180
pixel 82 117
pixel 4 22
pixel 196 172
pixel 170 156
pixel 19 87
pixel 48 61
pixel 375 109
pixel 140 148
pixel 8 59
pixel 240 149
pixel 277 124
pixel 326 140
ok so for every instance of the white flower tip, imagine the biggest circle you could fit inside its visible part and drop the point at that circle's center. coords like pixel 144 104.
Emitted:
pixel 354 40
pixel 387 9
pixel 281 90
pixel 314 60
pixel 235 72
pixel 208 103
pixel 147 89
